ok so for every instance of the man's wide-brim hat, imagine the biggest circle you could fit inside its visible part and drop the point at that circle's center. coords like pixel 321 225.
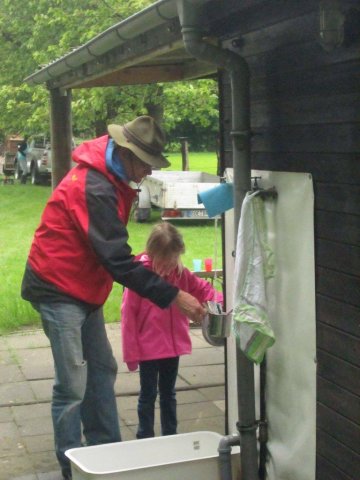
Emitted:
pixel 144 137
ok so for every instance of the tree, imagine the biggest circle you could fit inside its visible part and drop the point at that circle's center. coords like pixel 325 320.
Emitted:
pixel 36 32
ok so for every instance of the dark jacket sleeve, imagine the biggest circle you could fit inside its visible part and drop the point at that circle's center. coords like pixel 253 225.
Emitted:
pixel 109 238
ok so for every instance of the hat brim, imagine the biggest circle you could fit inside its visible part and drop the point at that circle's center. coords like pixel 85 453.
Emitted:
pixel 116 132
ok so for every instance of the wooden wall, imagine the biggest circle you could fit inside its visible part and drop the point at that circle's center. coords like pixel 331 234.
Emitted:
pixel 305 117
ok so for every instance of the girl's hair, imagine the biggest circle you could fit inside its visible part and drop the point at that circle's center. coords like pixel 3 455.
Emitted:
pixel 165 240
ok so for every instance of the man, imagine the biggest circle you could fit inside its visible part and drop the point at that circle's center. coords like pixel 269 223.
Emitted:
pixel 21 157
pixel 78 250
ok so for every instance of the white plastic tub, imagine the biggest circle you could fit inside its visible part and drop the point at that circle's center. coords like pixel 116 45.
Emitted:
pixel 178 457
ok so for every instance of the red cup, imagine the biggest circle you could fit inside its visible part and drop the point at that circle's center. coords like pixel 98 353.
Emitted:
pixel 208 264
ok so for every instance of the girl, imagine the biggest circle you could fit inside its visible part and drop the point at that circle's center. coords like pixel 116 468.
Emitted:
pixel 154 338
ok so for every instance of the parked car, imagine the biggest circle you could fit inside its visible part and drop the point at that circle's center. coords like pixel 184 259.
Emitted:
pixel 38 168
pixel 38 158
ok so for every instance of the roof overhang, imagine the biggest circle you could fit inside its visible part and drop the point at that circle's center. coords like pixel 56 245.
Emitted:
pixel 144 48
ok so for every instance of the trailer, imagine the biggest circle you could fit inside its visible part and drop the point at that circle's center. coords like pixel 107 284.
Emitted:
pixel 175 193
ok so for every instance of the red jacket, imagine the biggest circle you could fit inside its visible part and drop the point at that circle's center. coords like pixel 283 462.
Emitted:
pixel 149 333
pixel 81 244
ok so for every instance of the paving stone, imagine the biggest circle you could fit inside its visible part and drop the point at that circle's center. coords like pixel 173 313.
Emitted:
pixel 5 357
pixel 213 393
pixel 212 424
pixel 127 402
pixel 27 412
pixel 127 383
pixel 203 374
pixel 36 363
pixel 200 342
pixel 129 416
pixel 33 339
pixel 5 415
pixel 55 475
pixel 3 344
pixel 201 355
pixel 11 444
pixel 127 433
pixel 39 443
pixel 27 477
pixel 16 466
pixel 11 374
pixel 19 392
pixel 198 410
pixel 189 396
pixel 26 437
pixel 221 405
pixel 36 426
pixel 42 389
pixel 44 461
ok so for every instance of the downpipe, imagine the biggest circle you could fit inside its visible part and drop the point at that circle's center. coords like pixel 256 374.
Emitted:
pixel 190 16
pixel 224 450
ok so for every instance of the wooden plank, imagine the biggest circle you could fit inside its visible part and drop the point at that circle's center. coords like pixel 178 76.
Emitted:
pixel 338 286
pixel 283 33
pixel 336 79
pixel 324 167
pixel 283 27
pixel 343 457
pixel 338 256
pixel 339 427
pixel 338 399
pixel 329 138
pixel 300 58
pixel 325 470
pixel 343 375
pixel 339 344
pixel 61 134
pixel 338 314
pixel 338 198
pixel 244 16
pixel 137 75
pixel 338 226
pixel 304 110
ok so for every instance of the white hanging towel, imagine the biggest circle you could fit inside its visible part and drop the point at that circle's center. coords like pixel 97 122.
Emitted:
pixel 254 264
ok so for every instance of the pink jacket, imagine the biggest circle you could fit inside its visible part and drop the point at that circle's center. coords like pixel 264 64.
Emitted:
pixel 149 332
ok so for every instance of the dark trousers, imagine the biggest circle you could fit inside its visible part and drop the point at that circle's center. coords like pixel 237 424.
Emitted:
pixel 154 373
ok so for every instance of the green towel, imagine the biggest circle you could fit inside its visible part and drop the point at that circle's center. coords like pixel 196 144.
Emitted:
pixel 254 264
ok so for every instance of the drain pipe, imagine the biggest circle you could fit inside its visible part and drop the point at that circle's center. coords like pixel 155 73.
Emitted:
pixel 190 15
pixel 224 450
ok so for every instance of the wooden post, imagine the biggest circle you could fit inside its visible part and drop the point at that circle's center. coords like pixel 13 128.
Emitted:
pixel 61 133
pixel 184 153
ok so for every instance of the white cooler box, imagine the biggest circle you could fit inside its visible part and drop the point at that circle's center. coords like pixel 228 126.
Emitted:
pixel 177 457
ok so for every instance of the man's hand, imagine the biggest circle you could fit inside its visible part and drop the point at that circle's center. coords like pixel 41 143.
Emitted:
pixel 188 305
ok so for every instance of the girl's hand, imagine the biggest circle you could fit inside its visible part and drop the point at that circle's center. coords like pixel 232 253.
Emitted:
pixel 132 366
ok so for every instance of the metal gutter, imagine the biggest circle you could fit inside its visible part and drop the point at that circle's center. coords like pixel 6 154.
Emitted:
pixel 115 36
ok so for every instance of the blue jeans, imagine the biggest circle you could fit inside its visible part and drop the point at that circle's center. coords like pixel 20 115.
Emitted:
pixel 85 373
pixel 152 373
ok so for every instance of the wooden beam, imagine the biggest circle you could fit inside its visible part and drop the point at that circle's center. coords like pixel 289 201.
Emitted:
pixel 61 133
pixel 150 74
pixel 137 75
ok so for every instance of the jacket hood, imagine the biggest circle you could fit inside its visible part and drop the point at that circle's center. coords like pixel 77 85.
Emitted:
pixel 147 262
pixel 92 154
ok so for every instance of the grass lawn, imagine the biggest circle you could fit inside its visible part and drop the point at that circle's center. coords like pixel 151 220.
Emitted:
pixel 201 162
pixel 20 210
